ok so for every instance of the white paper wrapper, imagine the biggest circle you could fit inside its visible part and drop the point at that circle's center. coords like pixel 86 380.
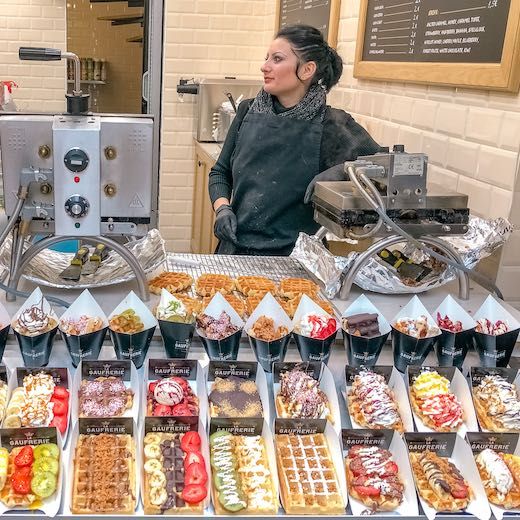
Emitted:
pixel 361 305
pixel 84 305
pixel 408 506
pixel 307 306
pixel 49 506
pixel 132 301
pixel 462 457
pixel 34 299
pixel 218 304
pixel 166 299
pixel 492 310
pixel 133 384
pixel 198 387
pixel 398 387
pixel 269 307
pixel 413 309
pixel 337 459
pixel 328 387
pixel 459 388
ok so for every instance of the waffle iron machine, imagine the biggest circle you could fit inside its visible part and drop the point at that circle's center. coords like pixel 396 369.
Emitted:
pixel 75 176
pixel 387 198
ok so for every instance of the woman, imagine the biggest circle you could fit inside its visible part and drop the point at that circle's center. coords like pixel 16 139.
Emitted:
pixel 277 145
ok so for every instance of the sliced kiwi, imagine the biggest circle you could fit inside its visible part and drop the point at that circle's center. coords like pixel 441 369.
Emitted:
pixel 43 484
pixel 46 464
pixel 47 450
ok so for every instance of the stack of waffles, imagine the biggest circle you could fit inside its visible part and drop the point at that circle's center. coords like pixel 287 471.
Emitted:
pixel 308 480
pixel 104 475
pixel 242 481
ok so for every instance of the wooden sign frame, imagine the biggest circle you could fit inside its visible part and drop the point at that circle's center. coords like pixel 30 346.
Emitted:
pixel 333 24
pixel 503 76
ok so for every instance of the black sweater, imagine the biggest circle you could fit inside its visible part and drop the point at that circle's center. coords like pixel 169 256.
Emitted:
pixel 342 140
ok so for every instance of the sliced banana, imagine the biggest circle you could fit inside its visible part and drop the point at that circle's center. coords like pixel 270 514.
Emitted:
pixel 152 451
pixel 157 479
pixel 12 421
pixel 152 438
pixel 152 465
pixel 158 496
pixel 14 409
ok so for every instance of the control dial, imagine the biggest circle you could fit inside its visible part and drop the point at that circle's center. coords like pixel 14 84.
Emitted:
pixel 76 206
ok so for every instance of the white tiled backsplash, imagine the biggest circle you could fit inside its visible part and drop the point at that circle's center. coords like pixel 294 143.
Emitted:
pixel 472 136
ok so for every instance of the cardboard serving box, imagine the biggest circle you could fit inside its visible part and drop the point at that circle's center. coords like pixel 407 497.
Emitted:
pixel 458 451
pixel 313 427
pixel 477 374
pixel 395 383
pixel 175 425
pixel 500 443
pixel 318 371
pixel 458 387
pixel 17 437
pixel 96 426
pixel 5 376
pixel 249 370
pixel 389 440
pixel 188 369
pixel 61 377
pixel 250 426
pixel 92 369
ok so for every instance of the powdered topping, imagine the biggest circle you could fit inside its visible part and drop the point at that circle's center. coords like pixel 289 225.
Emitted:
pixel 486 326
pixel 500 400
pixel 301 395
pixel 376 400
pixel 500 477
pixel 418 328
pixel 235 397
pixel 82 325
pixel 216 328
pixel 316 326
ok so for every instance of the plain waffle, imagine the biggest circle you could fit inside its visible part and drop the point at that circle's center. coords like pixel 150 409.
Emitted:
pixel 171 281
pixel 293 287
pixel 104 475
pixel 253 301
pixel 236 302
pixel 164 476
pixel 208 284
pixel 255 285
pixel 308 480
pixel 435 495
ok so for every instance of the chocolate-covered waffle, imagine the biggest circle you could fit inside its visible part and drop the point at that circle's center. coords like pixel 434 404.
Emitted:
pixel 104 397
pixel 235 397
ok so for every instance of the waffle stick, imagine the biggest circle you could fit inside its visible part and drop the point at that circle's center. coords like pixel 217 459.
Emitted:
pixel 416 405
pixel 308 480
pixel 435 495
pixel 156 471
pixel 104 475
pixel 511 500
pixel 289 410
pixel 487 421
pixel 355 406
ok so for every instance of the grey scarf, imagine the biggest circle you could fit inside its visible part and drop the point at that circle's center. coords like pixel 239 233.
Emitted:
pixel 313 104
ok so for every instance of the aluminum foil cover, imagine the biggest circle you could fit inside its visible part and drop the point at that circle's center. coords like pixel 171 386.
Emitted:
pixel 45 268
pixel 483 237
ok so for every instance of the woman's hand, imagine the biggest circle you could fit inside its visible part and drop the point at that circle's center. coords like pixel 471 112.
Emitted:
pixel 225 227
pixel 336 173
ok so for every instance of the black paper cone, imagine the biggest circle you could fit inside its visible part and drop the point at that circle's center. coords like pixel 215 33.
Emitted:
pixel 36 350
pixel 222 349
pixel 495 351
pixel 268 352
pixel 84 346
pixel 177 338
pixel 363 351
pixel 409 350
pixel 3 339
pixel 132 346
pixel 451 347
pixel 314 349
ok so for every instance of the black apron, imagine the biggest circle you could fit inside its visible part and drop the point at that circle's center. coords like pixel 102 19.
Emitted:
pixel 274 161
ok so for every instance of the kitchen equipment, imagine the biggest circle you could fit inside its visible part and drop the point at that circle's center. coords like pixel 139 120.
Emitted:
pixel 73 272
pixel 210 95
pixel 99 254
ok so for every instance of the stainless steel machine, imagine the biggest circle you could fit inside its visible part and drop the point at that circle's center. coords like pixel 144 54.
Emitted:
pixel 387 198
pixel 75 175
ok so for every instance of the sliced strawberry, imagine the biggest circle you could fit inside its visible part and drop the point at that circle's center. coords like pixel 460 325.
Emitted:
pixel 162 410
pixel 61 392
pixel 151 386
pixel 181 409
pixel 61 407
pixel 193 493
pixel 60 421
pixel 190 442
pixel 193 457
pixel 368 491
pixel 25 457
pixel 182 382
pixel 459 491
pixel 195 474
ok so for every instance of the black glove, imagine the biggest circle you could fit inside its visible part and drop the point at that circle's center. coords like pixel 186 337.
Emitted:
pixel 336 173
pixel 225 227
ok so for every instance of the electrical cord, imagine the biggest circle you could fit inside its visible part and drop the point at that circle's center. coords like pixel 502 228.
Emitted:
pixel 378 206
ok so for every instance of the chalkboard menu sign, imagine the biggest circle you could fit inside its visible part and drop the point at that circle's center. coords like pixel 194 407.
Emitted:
pixel 322 14
pixel 472 42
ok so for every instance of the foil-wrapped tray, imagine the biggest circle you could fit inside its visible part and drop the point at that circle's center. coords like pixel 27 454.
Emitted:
pixel 45 268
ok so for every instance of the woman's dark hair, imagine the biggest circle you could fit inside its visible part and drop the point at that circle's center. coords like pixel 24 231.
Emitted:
pixel 308 44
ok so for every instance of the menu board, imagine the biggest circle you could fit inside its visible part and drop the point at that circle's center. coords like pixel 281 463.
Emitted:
pixel 468 31
pixel 322 14
pixel 472 43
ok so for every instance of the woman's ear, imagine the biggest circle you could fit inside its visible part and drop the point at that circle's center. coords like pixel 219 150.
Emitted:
pixel 307 70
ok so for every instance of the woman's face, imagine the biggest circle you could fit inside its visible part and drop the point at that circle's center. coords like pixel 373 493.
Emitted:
pixel 280 69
